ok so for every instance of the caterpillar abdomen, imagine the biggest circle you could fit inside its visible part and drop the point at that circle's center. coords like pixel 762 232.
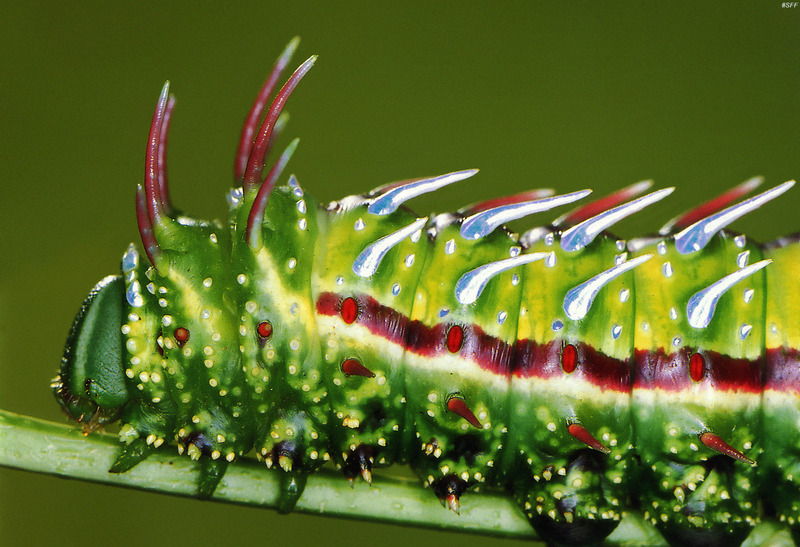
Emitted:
pixel 582 373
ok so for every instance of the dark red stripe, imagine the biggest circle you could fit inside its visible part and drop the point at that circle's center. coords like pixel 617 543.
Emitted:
pixel 782 370
pixel 670 372
pixel 544 361
pixel 526 358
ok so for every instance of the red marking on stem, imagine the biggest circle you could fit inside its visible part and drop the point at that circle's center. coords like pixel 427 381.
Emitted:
pixel 353 367
pixel 697 367
pixel 163 187
pixel 530 195
pixel 589 210
pixel 569 358
pixel 458 406
pixel 455 339
pixel 145 227
pixel 181 336
pixel 582 434
pixel 713 205
pixel 349 310
pixel 153 169
pixel 245 148
pixel 258 154
pixel 715 442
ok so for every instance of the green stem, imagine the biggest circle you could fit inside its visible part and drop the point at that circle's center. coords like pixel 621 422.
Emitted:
pixel 43 447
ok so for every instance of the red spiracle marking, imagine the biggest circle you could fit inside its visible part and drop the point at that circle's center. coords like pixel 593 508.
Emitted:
pixel 264 330
pixel 181 336
pixel 349 310
pixel 455 339
pixel 569 358
pixel 697 367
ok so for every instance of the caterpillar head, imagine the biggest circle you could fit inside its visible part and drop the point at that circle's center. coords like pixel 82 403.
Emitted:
pixel 90 386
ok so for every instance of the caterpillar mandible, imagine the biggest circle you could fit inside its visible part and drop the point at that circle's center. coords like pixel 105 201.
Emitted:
pixel 583 373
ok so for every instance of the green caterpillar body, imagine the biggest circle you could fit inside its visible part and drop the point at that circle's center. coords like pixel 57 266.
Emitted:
pixel 585 375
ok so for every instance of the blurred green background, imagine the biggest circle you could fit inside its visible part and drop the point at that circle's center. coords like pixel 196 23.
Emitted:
pixel 566 96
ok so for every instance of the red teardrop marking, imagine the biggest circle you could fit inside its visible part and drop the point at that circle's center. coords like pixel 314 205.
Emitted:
pixel 181 336
pixel 697 367
pixel 715 442
pixel 582 434
pixel 349 310
pixel 569 358
pixel 455 338
pixel 264 330
pixel 458 406
pixel 353 367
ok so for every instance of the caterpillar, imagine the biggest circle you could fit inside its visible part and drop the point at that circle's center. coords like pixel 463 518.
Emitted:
pixel 585 374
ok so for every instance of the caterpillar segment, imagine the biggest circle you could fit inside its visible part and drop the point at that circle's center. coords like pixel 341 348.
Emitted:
pixel 584 374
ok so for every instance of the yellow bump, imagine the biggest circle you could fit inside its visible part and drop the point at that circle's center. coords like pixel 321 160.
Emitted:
pixel 150 439
pixel 551 426
pixel 220 439
pixel 230 457
pixel 215 455
pixel 158 442
pixel 193 451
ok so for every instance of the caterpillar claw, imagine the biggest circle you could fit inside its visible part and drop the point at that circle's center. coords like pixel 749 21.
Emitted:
pixel 458 406
pixel 132 455
pixel 582 434
pixel 359 462
pixel 449 490
pixel 715 442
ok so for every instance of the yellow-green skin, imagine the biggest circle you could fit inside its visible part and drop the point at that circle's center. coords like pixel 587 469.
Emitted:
pixel 227 390
pixel 678 491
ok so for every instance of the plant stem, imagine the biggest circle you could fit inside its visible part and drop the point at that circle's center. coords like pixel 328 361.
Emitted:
pixel 44 447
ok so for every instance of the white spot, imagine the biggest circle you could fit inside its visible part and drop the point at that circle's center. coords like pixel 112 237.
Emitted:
pixel 666 269
pixel 676 341
pixel 673 313
pixel 432 397
pixel 409 261
pixel 645 326
pixel 501 317
pixel 551 426
pixel 744 331
pixel 162 302
pixel 208 350
pixel 444 311
pixel 292 263
pixel 293 308
pixel 301 206
pixel 250 306
pixel 213 238
pixel 166 320
pixel 416 235
pixel 295 344
pixel 205 314
pixel 548 239
pixel 514 251
pixel 620 244
pixel 396 289
pixel 302 223
pixel 515 279
pixel 661 248
pixel 340 280
pixel 616 330
pixel 739 241
pixel 207 282
pixel 550 261
pixel 241 278
pixel 359 225
pixel 742 259
pixel 624 294
pixel 126 329
pixel 747 295
pixel 450 246
pixel 557 325
pixel 620 258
